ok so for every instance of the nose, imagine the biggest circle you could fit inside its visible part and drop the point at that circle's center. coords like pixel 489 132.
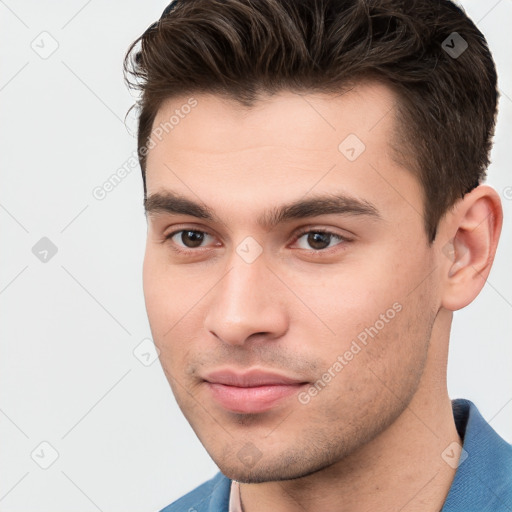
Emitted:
pixel 247 304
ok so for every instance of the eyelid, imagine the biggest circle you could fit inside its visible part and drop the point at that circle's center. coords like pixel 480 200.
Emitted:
pixel 312 229
pixel 178 228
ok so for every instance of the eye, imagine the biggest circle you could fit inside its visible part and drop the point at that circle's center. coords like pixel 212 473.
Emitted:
pixel 188 239
pixel 318 239
pixel 313 240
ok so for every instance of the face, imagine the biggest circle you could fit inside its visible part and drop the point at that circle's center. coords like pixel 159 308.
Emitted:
pixel 287 276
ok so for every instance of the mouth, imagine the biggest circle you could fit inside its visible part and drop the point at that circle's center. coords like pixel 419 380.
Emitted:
pixel 250 392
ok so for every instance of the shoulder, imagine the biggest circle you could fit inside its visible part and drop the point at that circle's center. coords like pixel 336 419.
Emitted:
pixel 483 480
pixel 212 496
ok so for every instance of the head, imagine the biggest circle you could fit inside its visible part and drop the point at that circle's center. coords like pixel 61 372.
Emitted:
pixel 312 180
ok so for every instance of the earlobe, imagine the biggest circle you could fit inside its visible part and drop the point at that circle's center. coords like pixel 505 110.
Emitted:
pixel 475 226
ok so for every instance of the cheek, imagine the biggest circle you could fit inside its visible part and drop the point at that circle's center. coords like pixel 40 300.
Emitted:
pixel 168 293
pixel 162 297
pixel 155 295
pixel 174 298
pixel 344 301
pixel 379 314
pixel 370 375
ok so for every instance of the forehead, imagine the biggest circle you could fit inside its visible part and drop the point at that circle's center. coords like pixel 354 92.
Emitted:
pixel 284 147
pixel 311 121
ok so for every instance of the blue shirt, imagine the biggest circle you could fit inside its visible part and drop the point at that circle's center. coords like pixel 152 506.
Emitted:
pixel 482 483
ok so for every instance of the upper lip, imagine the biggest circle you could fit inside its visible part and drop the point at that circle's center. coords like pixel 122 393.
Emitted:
pixel 249 379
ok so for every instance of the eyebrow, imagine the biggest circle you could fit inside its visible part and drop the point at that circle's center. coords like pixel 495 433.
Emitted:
pixel 340 204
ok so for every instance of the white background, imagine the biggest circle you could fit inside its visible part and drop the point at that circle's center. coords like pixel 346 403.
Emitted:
pixel 68 375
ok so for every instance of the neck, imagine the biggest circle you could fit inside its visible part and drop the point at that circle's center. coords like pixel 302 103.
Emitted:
pixel 401 469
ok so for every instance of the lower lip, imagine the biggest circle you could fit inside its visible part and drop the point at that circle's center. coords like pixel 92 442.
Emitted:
pixel 251 400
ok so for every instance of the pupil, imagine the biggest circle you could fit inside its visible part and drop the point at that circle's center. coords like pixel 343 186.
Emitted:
pixel 193 236
pixel 316 239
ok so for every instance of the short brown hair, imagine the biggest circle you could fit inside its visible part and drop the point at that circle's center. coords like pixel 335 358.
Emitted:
pixel 241 48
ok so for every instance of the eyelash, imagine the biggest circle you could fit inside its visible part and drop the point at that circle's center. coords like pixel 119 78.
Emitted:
pixel 297 236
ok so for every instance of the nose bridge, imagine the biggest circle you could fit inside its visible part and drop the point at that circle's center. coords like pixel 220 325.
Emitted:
pixel 245 302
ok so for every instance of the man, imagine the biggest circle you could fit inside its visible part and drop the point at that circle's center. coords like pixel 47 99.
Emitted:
pixel 313 187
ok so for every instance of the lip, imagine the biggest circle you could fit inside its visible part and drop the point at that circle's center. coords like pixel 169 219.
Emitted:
pixel 252 391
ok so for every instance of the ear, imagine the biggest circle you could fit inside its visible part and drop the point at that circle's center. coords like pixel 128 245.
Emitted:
pixel 470 231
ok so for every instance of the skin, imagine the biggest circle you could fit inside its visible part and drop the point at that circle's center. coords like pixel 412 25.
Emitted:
pixel 373 437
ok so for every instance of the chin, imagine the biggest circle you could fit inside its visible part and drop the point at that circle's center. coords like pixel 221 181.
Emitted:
pixel 271 471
